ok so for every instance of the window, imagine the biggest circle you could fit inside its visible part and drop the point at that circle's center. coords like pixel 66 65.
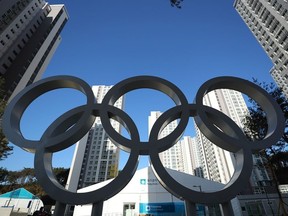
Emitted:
pixel 284 13
pixel 10 59
pixel 5 66
pixel 276 50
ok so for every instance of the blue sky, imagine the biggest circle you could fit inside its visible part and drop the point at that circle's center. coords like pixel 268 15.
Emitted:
pixel 107 41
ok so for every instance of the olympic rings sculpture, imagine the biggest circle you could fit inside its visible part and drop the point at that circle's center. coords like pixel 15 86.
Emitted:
pixel 74 124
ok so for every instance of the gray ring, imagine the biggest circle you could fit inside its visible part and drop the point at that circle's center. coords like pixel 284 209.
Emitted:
pixel 74 124
pixel 43 162
pixel 273 112
pixel 243 161
pixel 16 108
pixel 141 82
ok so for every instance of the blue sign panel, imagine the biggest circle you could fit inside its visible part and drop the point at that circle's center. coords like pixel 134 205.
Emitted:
pixel 148 208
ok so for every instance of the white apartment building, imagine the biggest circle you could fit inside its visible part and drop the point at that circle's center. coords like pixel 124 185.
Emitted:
pixel 29 35
pixel 217 163
pixel 95 158
pixel 182 155
pixel 171 157
pixel 190 156
pixel 267 20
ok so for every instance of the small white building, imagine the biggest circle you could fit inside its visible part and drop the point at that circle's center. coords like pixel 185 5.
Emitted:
pixel 19 200
pixel 144 195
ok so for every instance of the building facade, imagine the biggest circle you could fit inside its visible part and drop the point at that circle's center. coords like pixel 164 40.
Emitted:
pixel 19 202
pixel 267 20
pixel 144 195
pixel 183 155
pixel 190 162
pixel 191 155
pixel 95 158
pixel 217 163
pixel 29 35
pixel 171 157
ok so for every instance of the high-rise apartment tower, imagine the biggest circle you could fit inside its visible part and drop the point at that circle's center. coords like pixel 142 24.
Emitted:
pixel 267 20
pixel 29 36
pixel 95 158
pixel 218 164
pixel 182 155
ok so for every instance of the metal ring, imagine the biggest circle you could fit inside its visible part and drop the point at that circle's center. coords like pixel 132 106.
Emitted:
pixel 16 108
pixel 141 82
pixel 43 162
pixel 243 160
pixel 74 124
pixel 271 108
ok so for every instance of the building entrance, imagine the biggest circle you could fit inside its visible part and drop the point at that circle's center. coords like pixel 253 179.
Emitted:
pixel 128 209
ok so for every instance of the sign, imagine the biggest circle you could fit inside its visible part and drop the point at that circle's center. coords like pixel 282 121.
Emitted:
pixel 168 207
pixel 151 181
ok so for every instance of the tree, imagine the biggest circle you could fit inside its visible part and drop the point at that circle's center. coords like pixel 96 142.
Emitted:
pixel 255 128
pixel 176 3
pixel 5 148
pixel 61 175
pixel 255 123
pixel 13 177
pixel 26 176
pixel 3 174
pixel 12 180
